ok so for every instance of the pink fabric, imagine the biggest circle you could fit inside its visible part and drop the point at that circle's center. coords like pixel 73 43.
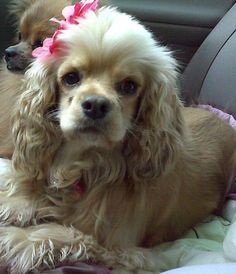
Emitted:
pixel 223 115
pixel 231 196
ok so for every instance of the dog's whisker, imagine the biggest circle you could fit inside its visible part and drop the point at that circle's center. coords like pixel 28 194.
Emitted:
pixel 132 132
pixel 53 114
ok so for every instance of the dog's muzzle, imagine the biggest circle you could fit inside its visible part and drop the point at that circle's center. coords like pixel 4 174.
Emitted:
pixel 16 59
pixel 95 118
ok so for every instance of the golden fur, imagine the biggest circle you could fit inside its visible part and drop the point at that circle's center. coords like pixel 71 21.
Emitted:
pixel 150 169
pixel 32 20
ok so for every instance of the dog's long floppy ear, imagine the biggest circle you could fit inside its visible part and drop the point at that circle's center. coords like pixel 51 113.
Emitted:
pixel 36 137
pixel 158 132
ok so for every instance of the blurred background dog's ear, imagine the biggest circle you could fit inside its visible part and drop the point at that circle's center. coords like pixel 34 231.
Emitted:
pixel 103 3
pixel 17 7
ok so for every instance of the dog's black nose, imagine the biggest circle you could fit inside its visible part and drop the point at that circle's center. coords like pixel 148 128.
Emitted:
pixel 10 53
pixel 96 107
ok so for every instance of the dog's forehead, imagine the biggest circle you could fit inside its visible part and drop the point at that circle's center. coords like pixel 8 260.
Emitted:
pixel 108 34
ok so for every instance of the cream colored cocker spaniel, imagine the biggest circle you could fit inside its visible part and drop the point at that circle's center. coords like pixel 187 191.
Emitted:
pixel 107 161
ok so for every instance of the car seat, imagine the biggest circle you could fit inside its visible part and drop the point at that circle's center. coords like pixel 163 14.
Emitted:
pixel 210 77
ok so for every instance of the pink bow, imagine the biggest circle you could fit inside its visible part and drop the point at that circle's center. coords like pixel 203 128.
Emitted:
pixel 70 13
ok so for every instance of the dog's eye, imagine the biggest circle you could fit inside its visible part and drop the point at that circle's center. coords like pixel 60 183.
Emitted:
pixel 71 78
pixel 127 87
pixel 19 36
pixel 38 43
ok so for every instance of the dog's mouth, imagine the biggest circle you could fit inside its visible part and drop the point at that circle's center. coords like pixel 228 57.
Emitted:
pixel 89 130
pixel 88 136
pixel 17 64
pixel 94 129
pixel 16 69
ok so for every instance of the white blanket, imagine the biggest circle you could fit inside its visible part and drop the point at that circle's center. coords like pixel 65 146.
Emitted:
pixel 212 241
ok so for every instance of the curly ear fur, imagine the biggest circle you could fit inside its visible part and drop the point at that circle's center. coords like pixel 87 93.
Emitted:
pixel 36 136
pixel 158 129
pixel 10 90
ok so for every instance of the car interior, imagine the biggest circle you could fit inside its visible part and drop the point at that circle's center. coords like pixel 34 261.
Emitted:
pixel 201 34
pixel 202 37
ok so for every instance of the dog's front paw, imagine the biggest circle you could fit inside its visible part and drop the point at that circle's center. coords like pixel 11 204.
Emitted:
pixel 45 246
pixel 31 249
pixel 133 260
pixel 137 259
pixel 15 254
pixel 16 211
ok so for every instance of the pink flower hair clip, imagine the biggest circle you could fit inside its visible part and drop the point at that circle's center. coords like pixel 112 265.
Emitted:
pixel 70 13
